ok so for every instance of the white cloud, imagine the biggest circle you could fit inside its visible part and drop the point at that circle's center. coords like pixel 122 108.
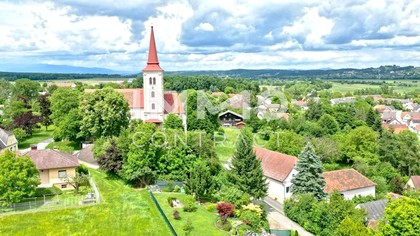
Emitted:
pixel 204 27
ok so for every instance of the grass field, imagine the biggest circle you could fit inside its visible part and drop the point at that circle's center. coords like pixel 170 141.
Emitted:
pixel 203 221
pixel 124 211
pixel 38 135
pixel 225 149
pixel 65 146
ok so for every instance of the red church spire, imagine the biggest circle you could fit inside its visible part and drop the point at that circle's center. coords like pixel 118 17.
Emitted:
pixel 152 61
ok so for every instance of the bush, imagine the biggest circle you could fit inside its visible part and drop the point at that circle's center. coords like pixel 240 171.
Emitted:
pixel 211 207
pixel 225 210
pixel 176 215
pixel 40 192
pixel 225 225
pixel 187 226
pixel 189 204
pixel 250 218
pixel 242 229
pixel 254 208
pixel 82 169
pixel 170 201
pixel 177 189
pixel 20 134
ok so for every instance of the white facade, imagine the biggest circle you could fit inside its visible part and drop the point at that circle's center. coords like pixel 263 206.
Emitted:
pixel 350 194
pixel 153 95
pixel 280 191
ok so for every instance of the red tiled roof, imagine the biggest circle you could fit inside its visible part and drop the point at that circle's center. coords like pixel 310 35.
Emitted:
pixel 397 127
pixel 135 97
pixel 173 103
pixel 344 180
pixel 299 102
pixel 416 181
pixel 51 159
pixel 217 94
pixel 275 165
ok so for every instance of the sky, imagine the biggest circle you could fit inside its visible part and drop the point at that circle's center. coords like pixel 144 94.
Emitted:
pixel 211 35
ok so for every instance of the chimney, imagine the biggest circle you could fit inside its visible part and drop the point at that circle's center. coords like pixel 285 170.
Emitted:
pixel 34 147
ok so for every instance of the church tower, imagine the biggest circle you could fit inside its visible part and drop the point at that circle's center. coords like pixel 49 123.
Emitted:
pixel 153 86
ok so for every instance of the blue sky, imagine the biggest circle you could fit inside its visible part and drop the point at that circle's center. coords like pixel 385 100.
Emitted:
pixel 210 35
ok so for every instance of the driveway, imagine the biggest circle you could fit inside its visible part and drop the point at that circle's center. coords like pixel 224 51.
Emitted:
pixel 278 220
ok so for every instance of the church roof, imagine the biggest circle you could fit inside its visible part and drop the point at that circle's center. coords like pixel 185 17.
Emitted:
pixel 152 61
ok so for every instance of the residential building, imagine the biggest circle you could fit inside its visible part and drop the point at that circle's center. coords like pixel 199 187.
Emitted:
pixel 279 169
pixel 8 140
pixel 349 183
pixel 55 167
pixel 397 128
pixel 413 183
pixel 375 211
pixel 230 118
pixel 383 108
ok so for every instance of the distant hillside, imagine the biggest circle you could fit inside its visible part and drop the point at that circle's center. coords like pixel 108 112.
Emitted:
pixel 47 68
pixel 382 72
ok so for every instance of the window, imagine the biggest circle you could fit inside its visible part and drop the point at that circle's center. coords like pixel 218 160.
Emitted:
pixel 62 174
pixel 64 186
pixel 287 189
pixel 153 94
pixel 150 80
pixel 153 106
pixel 154 80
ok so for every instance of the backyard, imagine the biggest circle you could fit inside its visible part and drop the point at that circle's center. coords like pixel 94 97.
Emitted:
pixel 203 221
pixel 38 135
pixel 123 211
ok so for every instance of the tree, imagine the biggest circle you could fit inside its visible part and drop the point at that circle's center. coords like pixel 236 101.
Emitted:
pixel 26 121
pixel 402 217
pixel 359 143
pixel 286 141
pixel 112 159
pixel 314 111
pixel 225 210
pixel 173 121
pixel 209 123
pixel 76 181
pixel 104 113
pixel 409 151
pixel 65 115
pixel 246 170
pixel 200 182
pixel 329 124
pixel 5 90
pixel 348 227
pixel 27 88
pixel 309 178
pixel 397 185
pixel 18 177
pixel 45 104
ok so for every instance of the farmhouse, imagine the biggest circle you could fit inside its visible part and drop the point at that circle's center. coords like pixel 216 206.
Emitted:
pixel 230 118
pixel 349 183
pixel 152 103
pixel 54 167
pixel 279 169
pixel 413 183
pixel 8 140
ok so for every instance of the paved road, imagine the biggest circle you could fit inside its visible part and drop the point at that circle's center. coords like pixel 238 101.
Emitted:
pixel 278 220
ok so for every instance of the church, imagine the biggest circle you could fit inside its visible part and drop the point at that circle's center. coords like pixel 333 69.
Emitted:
pixel 152 103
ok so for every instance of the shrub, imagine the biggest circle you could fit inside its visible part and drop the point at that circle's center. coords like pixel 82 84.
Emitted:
pixel 225 225
pixel 177 189
pixel 211 207
pixel 250 218
pixel 40 192
pixel 225 210
pixel 242 229
pixel 254 208
pixel 187 226
pixel 82 169
pixel 176 215
pixel 189 204
pixel 20 134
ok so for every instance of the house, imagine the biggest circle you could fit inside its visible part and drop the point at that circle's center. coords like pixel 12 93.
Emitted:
pixel 383 108
pixel 413 183
pixel 240 124
pixel 397 128
pixel 230 118
pixel 389 117
pixel 335 101
pixel 85 156
pixel 349 183
pixel 152 103
pixel 375 97
pixel 375 211
pixel 54 167
pixel 279 169
pixel 411 118
pixel 301 104
pixel 239 101
pixel 8 140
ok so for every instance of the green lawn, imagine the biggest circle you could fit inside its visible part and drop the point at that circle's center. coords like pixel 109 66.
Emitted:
pixel 344 88
pixel 203 221
pixel 38 135
pixel 123 211
pixel 65 146
pixel 225 149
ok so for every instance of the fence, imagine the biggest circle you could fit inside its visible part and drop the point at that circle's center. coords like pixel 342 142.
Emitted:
pixel 95 189
pixel 163 214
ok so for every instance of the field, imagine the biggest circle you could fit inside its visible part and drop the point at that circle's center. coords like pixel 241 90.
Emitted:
pixel 123 211
pixel 203 221
pixel 398 86
pixel 225 149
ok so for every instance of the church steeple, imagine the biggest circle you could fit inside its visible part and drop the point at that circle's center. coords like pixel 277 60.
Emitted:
pixel 152 61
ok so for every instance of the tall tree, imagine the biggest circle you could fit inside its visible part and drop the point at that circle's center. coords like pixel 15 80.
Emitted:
pixel 328 124
pixel 18 177
pixel 111 160
pixel 173 122
pixel 314 111
pixel 104 113
pixel 27 88
pixel 65 115
pixel 309 178
pixel 200 182
pixel 246 170
pixel 26 121
pixel 409 152
pixel 45 104
pixel 5 90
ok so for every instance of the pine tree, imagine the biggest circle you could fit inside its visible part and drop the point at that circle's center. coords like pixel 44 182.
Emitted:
pixel 309 178
pixel 246 172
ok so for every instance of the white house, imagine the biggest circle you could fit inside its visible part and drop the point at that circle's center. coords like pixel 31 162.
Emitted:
pixel 349 183
pixel 8 140
pixel 151 103
pixel 279 169
pixel 413 183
